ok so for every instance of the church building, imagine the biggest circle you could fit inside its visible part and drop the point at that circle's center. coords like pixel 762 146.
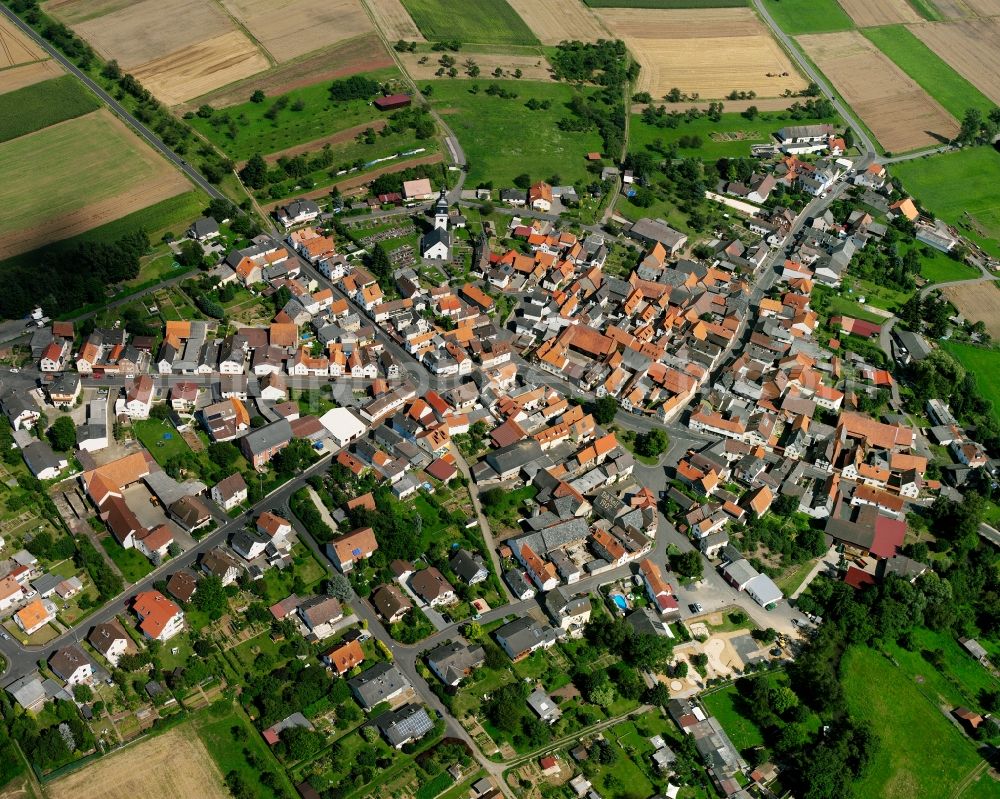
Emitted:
pixel 436 243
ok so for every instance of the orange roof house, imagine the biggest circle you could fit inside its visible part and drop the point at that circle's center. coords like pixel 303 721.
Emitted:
pixel 345 657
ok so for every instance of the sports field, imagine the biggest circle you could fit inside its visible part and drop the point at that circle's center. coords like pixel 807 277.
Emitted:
pixel 503 139
pixel 933 75
pixel 960 187
pixel 900 113
pixel 808 16
pixel 477 21
pixel 70 177
pixel 971 47
pixel 249 130
pixel 920 752
pixel 179 760
pixel 42 104
pixel 984 364
pixel 706 51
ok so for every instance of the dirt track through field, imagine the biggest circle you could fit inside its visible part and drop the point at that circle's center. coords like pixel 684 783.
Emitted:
pixel 970 47
pixel 706 51
pixel 553 21
pixel 27 74
pixel 395 21
pixel 361 54
pixel 15 47
pixel 291 28
pixel 900 113
pixel 977 302
pixel 174 765
pixel 868 13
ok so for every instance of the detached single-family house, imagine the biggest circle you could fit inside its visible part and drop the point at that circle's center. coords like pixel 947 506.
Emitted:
pixel 391 603
pixel 230 492
pixel 71 664
pixel 320 614
pixel 359 544
pixel 159 618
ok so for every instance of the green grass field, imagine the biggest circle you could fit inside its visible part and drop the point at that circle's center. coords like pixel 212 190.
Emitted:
pixel 130 562
pixel 503 138
pixel 722 704
pixel 937 267
pixel 665 3
pixel 59 170
pixel 492 21
pixel 953 184
pixel 319 118
pixel 808 16
pixel 920 753
pixel 713 134
pixel 42 104
pixel 173 214
pixel 922 64
pixel 984 365
pixel 151 432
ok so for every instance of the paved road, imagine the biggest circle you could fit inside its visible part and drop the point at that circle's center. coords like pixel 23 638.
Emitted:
pixel 115 106
pixel 816 77
pixel 944 148
pixel 21 659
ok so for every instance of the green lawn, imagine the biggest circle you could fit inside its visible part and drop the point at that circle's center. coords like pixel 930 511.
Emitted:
pixel 503 138
pixel 160 438
pixel 741 730
pixel 624 771
pixel 42 104
pixel 922 64
pixel 955 184
pixel 808 16
pixel 844 306
pixel 713 134
pixel 130 562
pixel 489 21
pixel 984 365
pixel 937 267
pixel 252 132
pixel 920 753
pixel 231 754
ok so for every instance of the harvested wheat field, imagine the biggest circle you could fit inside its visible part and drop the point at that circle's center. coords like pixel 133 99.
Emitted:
pixel 290 28
pixel 900 114
pixel 178 759
pixel 984 8
pixel 977 302
pixel 395 21
pixel 27 74
pixel 73 12
pixel 711 51
pixel 15 47
pixel 553 21
pixel 533 67
pixel 361 54
pixel 869 13
pixel 201 68
pixel 153 29
pixel 971 48
pixel 76 175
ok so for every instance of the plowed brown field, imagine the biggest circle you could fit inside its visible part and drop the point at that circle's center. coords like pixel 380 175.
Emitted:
pixel 868 13
pixel 971 48
pixel 900 114
pixel 709 51
pixel 977 302
pixel 553 21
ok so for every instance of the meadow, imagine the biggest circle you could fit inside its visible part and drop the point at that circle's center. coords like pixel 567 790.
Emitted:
pixel 984 364
pixel 808 16
pixel 665 3
pixel 42 104
pixel 723 705
pixel 937 267
pixel 933 75
pixel 954 184
pixel 67 178
pixel 502 138
pixel 317 117
pixel 488 21
pixel 920 752
pixel 742 131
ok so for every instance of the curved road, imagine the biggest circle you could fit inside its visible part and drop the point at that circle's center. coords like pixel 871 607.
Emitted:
pixel 115 106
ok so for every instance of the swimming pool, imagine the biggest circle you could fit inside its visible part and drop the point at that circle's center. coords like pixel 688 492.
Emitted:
pixel 619 600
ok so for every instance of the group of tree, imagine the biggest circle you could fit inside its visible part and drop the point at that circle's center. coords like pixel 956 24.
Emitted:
pixel 978 128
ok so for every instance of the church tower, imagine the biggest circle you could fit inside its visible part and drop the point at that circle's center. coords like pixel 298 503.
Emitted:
pixel 441 214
